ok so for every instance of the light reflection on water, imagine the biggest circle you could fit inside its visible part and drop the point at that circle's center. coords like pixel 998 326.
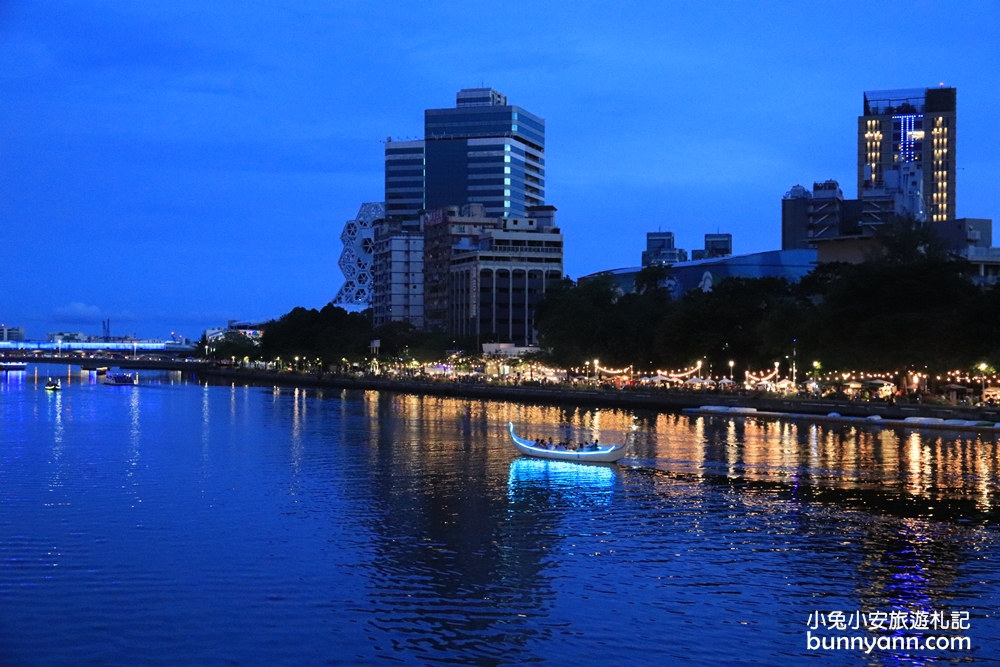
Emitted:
pixel 186 524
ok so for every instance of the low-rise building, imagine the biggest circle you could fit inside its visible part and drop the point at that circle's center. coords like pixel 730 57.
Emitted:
pixel 792 265
pixel 11 333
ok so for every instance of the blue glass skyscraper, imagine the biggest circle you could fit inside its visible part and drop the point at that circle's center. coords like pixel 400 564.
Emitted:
pixel 482 151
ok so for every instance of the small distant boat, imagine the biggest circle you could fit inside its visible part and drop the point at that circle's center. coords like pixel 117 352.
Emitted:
pixel 13 366
pixel 120 379
pixel 53 385
pixel 603 454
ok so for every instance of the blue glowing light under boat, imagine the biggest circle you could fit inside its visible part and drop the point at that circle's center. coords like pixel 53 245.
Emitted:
pixel 561 475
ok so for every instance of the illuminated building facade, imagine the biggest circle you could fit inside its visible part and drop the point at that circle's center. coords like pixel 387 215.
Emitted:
pixel 358 237
pixel 906 150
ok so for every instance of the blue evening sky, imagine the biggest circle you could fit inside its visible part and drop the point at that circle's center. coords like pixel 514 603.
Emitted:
pixel 172 165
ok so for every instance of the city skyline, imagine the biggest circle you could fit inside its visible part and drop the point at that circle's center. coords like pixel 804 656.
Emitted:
pixel 170 168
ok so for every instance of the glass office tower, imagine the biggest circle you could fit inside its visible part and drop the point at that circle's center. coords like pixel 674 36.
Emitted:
pixel 483 151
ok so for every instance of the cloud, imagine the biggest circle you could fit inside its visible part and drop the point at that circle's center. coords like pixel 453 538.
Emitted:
pixel 79 313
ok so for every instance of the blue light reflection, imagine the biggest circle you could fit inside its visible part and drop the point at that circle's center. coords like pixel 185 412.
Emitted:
pixel 577 483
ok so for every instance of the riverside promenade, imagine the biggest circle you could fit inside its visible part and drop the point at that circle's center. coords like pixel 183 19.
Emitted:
pixel 635 399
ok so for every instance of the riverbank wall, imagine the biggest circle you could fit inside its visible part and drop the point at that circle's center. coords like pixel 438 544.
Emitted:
pixel 662 401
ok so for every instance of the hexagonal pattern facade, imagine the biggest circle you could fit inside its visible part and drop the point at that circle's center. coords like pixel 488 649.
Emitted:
pixel 355 260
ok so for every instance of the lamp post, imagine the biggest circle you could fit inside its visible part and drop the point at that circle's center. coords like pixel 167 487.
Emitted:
pixel 699 369
pixel 982 377
pixel 776 365
pixel 597 370
pixel 731 363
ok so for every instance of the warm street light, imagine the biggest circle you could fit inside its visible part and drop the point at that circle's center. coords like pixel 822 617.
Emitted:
pixel 731 363
pixel 699 369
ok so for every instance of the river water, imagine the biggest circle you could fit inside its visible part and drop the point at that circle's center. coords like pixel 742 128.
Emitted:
pixel 177 523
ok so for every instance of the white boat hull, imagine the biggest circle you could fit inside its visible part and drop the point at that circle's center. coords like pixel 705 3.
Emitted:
pixel 600 455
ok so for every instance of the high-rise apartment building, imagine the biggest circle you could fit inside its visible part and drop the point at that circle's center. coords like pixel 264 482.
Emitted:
pixel 906 150
pixel 398 273
pixel 482 151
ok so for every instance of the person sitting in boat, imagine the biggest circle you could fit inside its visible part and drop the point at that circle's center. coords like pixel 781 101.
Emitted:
pixel 551 446
pixel 596 446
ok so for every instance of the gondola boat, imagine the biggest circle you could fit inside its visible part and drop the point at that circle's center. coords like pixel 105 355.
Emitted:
pixel 53 385
pixel 120 379
pixel 603 454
